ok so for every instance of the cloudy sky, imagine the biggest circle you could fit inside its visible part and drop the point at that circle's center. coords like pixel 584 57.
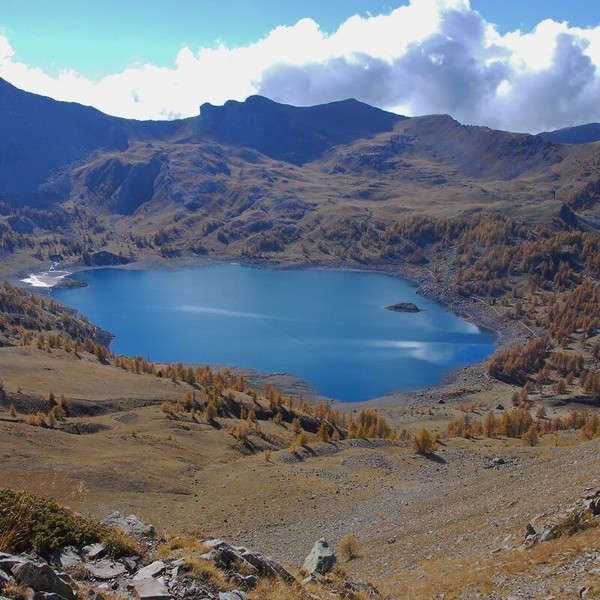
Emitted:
pixel 521 65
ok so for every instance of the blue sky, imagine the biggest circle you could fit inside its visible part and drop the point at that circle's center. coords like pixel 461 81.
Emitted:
pixel 486 61
pixel 99 38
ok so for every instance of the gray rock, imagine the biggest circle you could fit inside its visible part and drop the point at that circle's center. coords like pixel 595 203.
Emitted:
pixel 8 561
pixel 246 582
pixel 364 587
pixel 47 596
pixel 41 578
pixel 4 578
pixel 130 563
pixel 70 556
pixel 548 533
pixel 152 570
pixel 229 558
pixel 321 558
pixel 95 551
pixel 130 524
pixel 529 530
pixel 150 589
pixel 235 595
pixel 105 569
pixel 593 505
pixel 266 566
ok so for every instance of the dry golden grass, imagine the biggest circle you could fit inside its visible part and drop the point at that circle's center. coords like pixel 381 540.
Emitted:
pixel 336 589
pixel 15 524
pixel 15 591
pixel 277 590
pixel 348 547
pixel 454 578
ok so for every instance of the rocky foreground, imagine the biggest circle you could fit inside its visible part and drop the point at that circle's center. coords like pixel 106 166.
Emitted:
pixel 182 568
pixel 141 566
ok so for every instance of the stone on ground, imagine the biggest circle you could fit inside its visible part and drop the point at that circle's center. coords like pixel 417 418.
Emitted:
pixel 321 558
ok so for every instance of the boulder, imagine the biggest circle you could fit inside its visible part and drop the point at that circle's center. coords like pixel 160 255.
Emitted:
pixel 47 596
pixel 152 570
pixel 95 551
pixel 41 578
pixel 130 563
pixel 321 558
pixel 66 557
pixel 130 524
pixel 106 569
pixel 8 561
pixel 150 589
pixel 266 566
pixel 226 557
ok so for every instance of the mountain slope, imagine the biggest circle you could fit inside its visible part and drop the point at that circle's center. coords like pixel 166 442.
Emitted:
pixel 239 170
pixel 39 137
pixel 580 134
pixel 289 133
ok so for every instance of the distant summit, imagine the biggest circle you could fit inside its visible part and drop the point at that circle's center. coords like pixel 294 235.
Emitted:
pixel 289 133
pixel 580 134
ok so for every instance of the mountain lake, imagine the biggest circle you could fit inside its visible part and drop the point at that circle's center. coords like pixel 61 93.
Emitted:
pixel 330 328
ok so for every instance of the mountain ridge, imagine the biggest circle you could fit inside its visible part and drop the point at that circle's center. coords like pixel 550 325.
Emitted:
pixel 258 169
pixel 579 134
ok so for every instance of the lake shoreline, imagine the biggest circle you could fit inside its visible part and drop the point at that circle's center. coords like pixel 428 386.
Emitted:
pixel 472 310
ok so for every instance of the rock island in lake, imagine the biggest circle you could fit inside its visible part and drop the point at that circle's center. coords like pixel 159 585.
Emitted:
pixel 407 307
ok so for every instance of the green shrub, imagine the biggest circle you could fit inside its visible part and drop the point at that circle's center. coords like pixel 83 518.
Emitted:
pixel 30 523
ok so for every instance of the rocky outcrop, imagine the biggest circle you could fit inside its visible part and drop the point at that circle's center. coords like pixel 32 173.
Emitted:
pixel 168 578
pixel 234 559
pixel 103 258
pixel 582 515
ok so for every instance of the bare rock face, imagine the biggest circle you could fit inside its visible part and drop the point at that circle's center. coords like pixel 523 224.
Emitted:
pixel 321 558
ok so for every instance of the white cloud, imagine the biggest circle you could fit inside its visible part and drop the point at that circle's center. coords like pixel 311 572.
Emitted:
pixel 428 56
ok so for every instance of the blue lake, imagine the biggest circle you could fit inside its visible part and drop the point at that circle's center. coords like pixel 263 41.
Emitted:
pixel 329 328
